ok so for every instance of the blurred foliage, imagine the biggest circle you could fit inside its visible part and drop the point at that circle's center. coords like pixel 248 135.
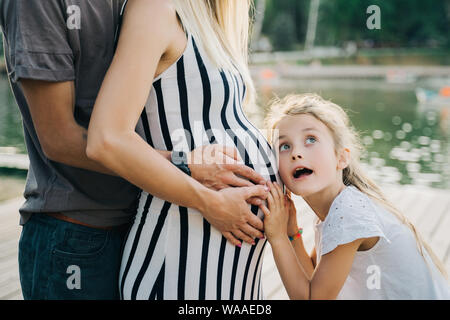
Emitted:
pixel 283 32
pixel 276 9
pixel 404 23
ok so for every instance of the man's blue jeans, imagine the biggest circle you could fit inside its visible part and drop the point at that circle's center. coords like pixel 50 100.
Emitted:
pixel 61 260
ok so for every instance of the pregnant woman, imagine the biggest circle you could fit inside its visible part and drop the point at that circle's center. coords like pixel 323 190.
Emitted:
pixel 180 74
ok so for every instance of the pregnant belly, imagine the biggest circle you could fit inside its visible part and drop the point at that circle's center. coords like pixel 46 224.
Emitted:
pixel 252 148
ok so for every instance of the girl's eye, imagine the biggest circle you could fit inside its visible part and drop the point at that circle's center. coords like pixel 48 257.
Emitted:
pixel 310 140
pixel 284 147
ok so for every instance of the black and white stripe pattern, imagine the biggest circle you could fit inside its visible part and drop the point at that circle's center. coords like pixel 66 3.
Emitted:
pixel 172 252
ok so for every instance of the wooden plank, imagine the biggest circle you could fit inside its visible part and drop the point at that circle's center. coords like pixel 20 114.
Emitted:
pixel 14 161
pixel 440 240
pixel 393 194
pixel 272 284
pixel 11 272
pixel 428 206
pixel 12 215
pixel 9 290
pixel 415 208
pixel 9 253
pixel 10 233
pixel 404 200
pixel 11 275
pixel 9 239
pixel 8 245
pixel 7 263
pixel 13 295
pixel 431 215
pixel 11 207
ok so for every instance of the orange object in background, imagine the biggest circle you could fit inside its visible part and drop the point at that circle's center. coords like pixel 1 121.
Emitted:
pixel 268 74
pixel 445 92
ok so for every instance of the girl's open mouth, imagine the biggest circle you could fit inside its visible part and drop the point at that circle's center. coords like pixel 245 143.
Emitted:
pixel 301 172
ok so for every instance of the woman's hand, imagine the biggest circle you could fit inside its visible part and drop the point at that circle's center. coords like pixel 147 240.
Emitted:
pixel 231 215
pixel 277 215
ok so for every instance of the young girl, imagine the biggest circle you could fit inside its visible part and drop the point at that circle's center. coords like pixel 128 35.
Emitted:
pixel 364 247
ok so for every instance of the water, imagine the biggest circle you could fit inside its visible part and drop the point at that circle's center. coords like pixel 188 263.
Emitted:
pixel 405 143
pixel 11 130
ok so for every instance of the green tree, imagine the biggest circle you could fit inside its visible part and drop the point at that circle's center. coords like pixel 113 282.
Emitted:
pixel 283 32
pixel 296 9
pixel 403 22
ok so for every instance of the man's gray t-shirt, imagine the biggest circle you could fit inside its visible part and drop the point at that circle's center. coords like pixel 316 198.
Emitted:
pixel 65 40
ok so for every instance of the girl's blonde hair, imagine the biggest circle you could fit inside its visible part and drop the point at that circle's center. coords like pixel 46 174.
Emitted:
pixel 222 27
pixel 344 136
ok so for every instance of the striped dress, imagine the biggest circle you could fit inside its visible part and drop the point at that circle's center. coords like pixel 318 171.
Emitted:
pixel 172 252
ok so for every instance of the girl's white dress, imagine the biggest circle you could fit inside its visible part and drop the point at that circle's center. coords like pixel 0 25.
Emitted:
pixel 394 267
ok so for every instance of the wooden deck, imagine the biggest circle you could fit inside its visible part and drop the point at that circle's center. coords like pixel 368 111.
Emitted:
pixel 14 161
pixel 428 208
pixel 9 238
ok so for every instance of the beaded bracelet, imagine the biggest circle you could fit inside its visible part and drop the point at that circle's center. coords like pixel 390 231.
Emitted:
pixel 297 235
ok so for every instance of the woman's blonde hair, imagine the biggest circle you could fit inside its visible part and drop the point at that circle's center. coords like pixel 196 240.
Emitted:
pixel 222 27
pixel 344 136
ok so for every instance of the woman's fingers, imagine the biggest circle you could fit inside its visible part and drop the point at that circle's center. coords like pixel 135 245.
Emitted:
pixel 247 233
pixel 265 210
pixel 251 232
pixel 255 222
pixel 244 237
pixel 233 240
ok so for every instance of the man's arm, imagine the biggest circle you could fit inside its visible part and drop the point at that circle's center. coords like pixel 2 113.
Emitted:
pixel 62 139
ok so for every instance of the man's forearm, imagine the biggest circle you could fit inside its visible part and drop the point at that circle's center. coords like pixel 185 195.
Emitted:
pixel 71 150
pixel 132 158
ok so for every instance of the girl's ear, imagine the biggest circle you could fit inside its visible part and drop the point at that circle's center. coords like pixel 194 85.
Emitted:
pixel 343 159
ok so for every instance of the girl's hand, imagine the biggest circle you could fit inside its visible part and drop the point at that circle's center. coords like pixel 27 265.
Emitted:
pixel 292 228
pixel 277 215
